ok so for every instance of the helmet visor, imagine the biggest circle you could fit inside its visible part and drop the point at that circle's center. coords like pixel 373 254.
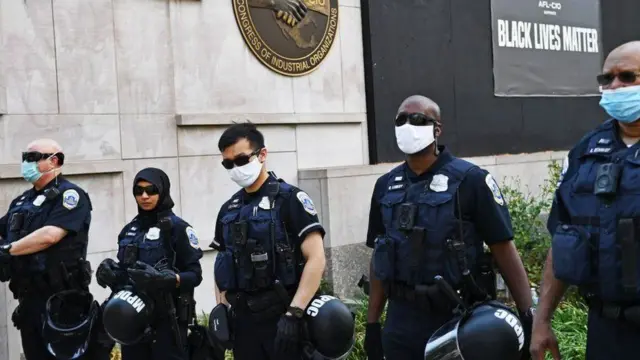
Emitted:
pixel 443 344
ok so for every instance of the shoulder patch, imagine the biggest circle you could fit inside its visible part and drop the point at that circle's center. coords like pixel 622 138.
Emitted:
pixel 306 202
pixel 495 190
pixel 193 237
pixel 70 199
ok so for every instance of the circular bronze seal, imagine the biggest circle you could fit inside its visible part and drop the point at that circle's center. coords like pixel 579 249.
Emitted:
pixel 290 37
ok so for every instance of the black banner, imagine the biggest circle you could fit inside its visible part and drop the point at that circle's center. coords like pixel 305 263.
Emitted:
pixel 546 48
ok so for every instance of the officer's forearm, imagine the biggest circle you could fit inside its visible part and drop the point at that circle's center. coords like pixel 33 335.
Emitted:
pixel 310 281
pixel 37 241
pixel 377 298
pixel 551 292
pixel 512 269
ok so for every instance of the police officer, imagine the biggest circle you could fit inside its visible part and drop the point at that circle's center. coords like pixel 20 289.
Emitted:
pixel 595 241
pixel 44 236
pixel 159 255
pixel 271 256
pixel 430 216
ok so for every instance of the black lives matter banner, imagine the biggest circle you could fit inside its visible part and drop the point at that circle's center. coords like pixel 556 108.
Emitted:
pixel 546 48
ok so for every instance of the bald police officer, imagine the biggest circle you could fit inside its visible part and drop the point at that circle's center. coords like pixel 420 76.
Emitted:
pixel 429 217
pixel 594 222
pixel 44 236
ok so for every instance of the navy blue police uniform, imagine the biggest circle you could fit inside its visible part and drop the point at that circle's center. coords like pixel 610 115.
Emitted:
pixel 259 264
pixel 415 226
pixel 594 222
pixel 147 243
pixel 63 266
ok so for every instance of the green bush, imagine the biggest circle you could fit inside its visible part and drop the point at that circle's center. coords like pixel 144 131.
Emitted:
pixel 533 242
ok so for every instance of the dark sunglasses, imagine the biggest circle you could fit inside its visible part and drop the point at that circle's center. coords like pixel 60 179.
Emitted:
pixel 35 156
pixel 239 160
pixel 625 77
pixel 416 119
pixel 149 189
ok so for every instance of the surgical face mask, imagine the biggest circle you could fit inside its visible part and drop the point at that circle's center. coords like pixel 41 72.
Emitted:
pixel 30 171
pixel 246 175
pixel 412 138
pixel 622 104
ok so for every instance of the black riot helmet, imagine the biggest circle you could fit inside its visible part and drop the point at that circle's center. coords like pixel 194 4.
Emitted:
pixel 490 331
pixel 331 329
pixel 70 316
pixel 127 317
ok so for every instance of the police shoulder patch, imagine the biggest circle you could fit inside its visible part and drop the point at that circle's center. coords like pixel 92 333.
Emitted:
pixel 306 202
pixel 193 237
pixel 70 199
pixel 495 190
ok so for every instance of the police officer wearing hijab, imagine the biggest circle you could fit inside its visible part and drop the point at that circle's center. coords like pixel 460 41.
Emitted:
pixel 271 256
pixel 594 220
pixel 158 254
pixel 45 236
pixel 429 217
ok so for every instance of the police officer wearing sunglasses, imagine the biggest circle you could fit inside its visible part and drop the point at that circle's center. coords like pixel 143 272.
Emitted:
pixel 594 222
pixel 158 255
pixel 271 255
pixel 429 217
pixel 44 238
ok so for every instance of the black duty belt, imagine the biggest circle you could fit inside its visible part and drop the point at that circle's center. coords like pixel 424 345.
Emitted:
pixel 629 313
pixel 427 297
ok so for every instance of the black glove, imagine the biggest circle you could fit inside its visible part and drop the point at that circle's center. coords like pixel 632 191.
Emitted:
pixel 5 255
pixel 146 276
pixel 526 319
pixel 288 342
pixel 110 274
pixel 373 342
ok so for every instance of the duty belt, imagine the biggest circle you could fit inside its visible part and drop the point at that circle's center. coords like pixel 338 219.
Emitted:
pixel 427 297
pixel 629 313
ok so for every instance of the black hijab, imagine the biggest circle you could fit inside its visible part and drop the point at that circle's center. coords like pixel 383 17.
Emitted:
pixel 160 179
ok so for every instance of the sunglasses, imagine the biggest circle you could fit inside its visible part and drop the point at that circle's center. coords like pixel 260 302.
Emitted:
pixel 35 156
pixel 416 119
pixel 625 77
pixel 239 160
pixel 149 189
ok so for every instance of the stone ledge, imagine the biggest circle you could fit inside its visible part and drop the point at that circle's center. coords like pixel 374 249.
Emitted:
pixel 345 171
pixel 269 119
pixel 81 168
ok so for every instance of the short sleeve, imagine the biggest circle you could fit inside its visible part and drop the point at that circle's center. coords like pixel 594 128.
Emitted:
pixel 490 214
pixel 302 215
pixel 376 226
pixel 558 213
pixel 3 227
pixel 71 211
pixel 218 238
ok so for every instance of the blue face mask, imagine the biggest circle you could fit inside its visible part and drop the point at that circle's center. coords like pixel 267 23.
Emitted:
pixel 30 171
pixel 622 104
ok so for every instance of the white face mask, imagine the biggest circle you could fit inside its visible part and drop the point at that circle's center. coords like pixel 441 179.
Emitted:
pixel 412 138
pixel 247 174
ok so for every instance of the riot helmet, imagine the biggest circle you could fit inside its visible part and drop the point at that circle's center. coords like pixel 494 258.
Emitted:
pixel 331 329
pixel 127 316
pixel 70 316
pixel 489 331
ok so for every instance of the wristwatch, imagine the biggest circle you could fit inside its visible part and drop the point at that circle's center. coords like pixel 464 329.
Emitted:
pixel 296 312
pixel 530 313
pixel 6 248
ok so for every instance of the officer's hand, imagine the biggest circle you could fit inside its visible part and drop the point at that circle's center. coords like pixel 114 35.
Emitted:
pixel 109 273
pixel 527 323
pixel 5 255
pixel 373 342
pixel 146 276
pixel 288 342
pixel 543 339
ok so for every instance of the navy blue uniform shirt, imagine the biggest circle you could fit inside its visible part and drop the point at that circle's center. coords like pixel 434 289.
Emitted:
pixel 70 211
pixel 185 244
pixel 477 201
pixel 571 163
pixel 298 221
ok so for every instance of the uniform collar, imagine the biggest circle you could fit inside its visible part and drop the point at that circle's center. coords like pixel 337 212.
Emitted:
pixel 263 191
pixel 443 158
pixel 51 184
